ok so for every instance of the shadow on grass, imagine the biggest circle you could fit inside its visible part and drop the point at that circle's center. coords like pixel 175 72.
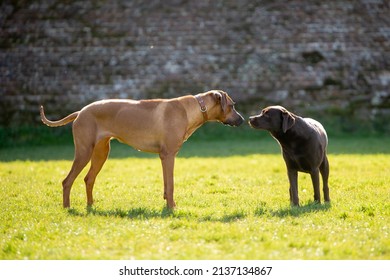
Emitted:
pixel 295 211
pixel 292 211
pixel 142 213
pixel 227 218
pixel 139 213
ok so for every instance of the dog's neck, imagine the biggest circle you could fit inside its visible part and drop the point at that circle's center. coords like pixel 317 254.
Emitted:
pixel 203 107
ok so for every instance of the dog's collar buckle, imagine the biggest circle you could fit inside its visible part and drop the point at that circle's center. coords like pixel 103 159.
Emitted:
pixel 203 107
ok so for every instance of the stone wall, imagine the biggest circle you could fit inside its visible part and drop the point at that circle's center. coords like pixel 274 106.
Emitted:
pixel 310 56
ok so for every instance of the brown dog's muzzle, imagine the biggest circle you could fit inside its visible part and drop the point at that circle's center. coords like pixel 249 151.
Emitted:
pixel 236 121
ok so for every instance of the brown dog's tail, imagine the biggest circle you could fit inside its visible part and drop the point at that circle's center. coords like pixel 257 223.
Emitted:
pixel 61 122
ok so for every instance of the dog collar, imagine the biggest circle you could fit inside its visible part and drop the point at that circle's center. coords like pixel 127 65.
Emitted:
pixel 203 107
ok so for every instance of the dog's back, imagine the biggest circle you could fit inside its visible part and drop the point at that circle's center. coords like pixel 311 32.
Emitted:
pixel 320 130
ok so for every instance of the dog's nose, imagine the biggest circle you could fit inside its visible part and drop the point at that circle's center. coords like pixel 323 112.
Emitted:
pixel 251 121
pixel 237 121
pixel 240 120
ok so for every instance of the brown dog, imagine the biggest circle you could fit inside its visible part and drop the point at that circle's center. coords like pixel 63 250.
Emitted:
pixel 303 142
pixel 157 126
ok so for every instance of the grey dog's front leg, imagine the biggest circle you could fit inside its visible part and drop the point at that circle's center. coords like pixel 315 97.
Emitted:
pixel 315 178
pixel 293 178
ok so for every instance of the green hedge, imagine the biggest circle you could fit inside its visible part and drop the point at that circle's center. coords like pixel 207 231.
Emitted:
pixel 336 126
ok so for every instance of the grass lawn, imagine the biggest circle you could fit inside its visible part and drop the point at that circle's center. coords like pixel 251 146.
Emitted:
pixel 232 199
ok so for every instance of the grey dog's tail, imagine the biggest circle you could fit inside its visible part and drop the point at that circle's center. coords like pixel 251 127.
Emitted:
pixel 61 122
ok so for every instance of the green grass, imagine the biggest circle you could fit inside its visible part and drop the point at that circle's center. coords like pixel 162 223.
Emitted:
pixel 232 198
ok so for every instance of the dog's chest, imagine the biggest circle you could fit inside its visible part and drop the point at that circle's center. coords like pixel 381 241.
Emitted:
pixel 299 163
pixel 299 157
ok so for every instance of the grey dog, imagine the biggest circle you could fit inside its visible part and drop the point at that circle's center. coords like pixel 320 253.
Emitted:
pixel 303 141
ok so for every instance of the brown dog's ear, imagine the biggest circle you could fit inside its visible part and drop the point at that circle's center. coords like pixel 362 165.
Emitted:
pixel 288 121
pixel 221 97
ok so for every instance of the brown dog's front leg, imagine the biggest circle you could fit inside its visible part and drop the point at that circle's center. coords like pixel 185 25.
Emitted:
pixel 165 181
pixel 66 194
pixel 168 162
pixel 293 178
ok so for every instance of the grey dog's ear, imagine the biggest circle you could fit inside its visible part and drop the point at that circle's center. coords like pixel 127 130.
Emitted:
pixel 221 97
pixel 288 121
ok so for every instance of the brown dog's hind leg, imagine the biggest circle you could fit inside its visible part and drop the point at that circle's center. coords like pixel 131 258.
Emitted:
pixel 99 157
pixel 84 139
pixel 324 169
pixel 81 158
